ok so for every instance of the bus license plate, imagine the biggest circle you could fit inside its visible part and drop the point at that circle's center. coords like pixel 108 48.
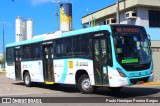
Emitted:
pixel 140 82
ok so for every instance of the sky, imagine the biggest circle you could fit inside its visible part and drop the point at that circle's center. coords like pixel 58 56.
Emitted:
pixel 43 14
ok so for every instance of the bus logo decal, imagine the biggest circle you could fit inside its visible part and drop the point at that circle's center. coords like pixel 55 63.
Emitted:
pixel 70 64
pixel 77 64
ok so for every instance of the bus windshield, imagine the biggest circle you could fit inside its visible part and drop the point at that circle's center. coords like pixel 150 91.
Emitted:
pixel 132 49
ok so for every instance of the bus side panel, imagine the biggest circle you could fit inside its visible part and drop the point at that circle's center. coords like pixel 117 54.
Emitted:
pixel 61 71
pixel 10 71
pixel 35 69
pixel 65 70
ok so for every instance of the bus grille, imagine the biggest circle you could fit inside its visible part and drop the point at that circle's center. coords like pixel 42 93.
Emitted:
pixel 139 67
pixel 139 80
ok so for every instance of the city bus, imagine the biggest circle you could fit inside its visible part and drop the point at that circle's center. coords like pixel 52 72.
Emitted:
pixel 111 56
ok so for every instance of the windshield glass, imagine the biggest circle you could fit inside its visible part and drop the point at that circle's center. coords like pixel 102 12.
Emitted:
pixel 132 49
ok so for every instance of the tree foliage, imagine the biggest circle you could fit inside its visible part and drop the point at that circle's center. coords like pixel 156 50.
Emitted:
pixel 0 61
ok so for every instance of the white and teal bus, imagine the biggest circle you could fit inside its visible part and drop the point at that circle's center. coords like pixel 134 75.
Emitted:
pixel 110 55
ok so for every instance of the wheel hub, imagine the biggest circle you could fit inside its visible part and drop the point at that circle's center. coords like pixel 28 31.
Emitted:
pixel 86 84
pixel 27 79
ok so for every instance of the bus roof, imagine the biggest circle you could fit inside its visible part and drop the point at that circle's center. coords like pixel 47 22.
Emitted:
pixel 59 34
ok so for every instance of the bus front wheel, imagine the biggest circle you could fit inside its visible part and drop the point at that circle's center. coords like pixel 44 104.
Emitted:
pixel 27 79
pixel 84 85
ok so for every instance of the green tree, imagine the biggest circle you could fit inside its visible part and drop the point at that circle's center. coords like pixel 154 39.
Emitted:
pixel 1 61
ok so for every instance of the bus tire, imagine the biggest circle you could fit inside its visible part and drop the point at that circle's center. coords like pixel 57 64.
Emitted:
pixel 115 89
pixel 27 79
pixel 84 85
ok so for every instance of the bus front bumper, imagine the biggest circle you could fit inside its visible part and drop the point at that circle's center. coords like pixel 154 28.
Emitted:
pixel 118 81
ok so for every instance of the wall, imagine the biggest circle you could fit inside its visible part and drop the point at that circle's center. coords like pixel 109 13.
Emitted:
pixel 155 44
pixel 142 17
pixel 156 62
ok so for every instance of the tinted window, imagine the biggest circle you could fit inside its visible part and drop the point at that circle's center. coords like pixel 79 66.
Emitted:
pixel 154 18
pixel 109 50
pixel 26 52
pixel 10 54
pixel 72 46
pixel 63 47
pixel 81 45
pixel 36 51
pixel 77 45
pixel 85 45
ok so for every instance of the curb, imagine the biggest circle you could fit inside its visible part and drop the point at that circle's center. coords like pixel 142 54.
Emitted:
pixel 2 71
pixel 152 83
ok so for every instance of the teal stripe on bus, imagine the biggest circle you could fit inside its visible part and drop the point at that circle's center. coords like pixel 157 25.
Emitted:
pixel 86 30
pixel 25 42
pixel 64 74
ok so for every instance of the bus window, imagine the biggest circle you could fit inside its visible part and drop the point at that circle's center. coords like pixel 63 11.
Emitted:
pixel 77 46
pixel 26 52
pixel 134 47
pixel 109 52
pixel 85 49
pixel 67 47
pixel 10 54
pixel 81 45
pixel 63 47
pixel 36 51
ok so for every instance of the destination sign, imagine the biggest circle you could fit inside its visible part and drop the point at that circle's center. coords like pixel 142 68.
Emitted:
pixel 134 30
pixel 125 29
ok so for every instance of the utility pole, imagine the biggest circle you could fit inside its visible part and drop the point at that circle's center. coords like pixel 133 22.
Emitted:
pixel 3 43
pixel 56 14
pixel 117 12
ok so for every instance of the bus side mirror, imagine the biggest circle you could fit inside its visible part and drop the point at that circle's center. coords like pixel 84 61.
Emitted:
pixel 149 38
pixel 149 42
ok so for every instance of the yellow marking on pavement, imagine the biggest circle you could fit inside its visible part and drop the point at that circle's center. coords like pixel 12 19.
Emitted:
pixel 2 71
pixel 152 83
pixel 49 82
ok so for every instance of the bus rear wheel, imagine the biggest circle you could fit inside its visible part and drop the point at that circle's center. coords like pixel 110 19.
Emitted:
pixel 84 85
pixel 27 79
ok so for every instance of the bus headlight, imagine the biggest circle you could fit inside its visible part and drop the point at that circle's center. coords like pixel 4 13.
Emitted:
pixel 121 73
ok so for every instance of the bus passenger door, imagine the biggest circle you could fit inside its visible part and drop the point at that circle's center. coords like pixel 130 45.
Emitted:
pixel 48 68
pixel 18 64
pixel 100 61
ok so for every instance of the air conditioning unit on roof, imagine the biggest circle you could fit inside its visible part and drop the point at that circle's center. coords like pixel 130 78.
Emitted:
pixel 131 15
pixel 111 21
